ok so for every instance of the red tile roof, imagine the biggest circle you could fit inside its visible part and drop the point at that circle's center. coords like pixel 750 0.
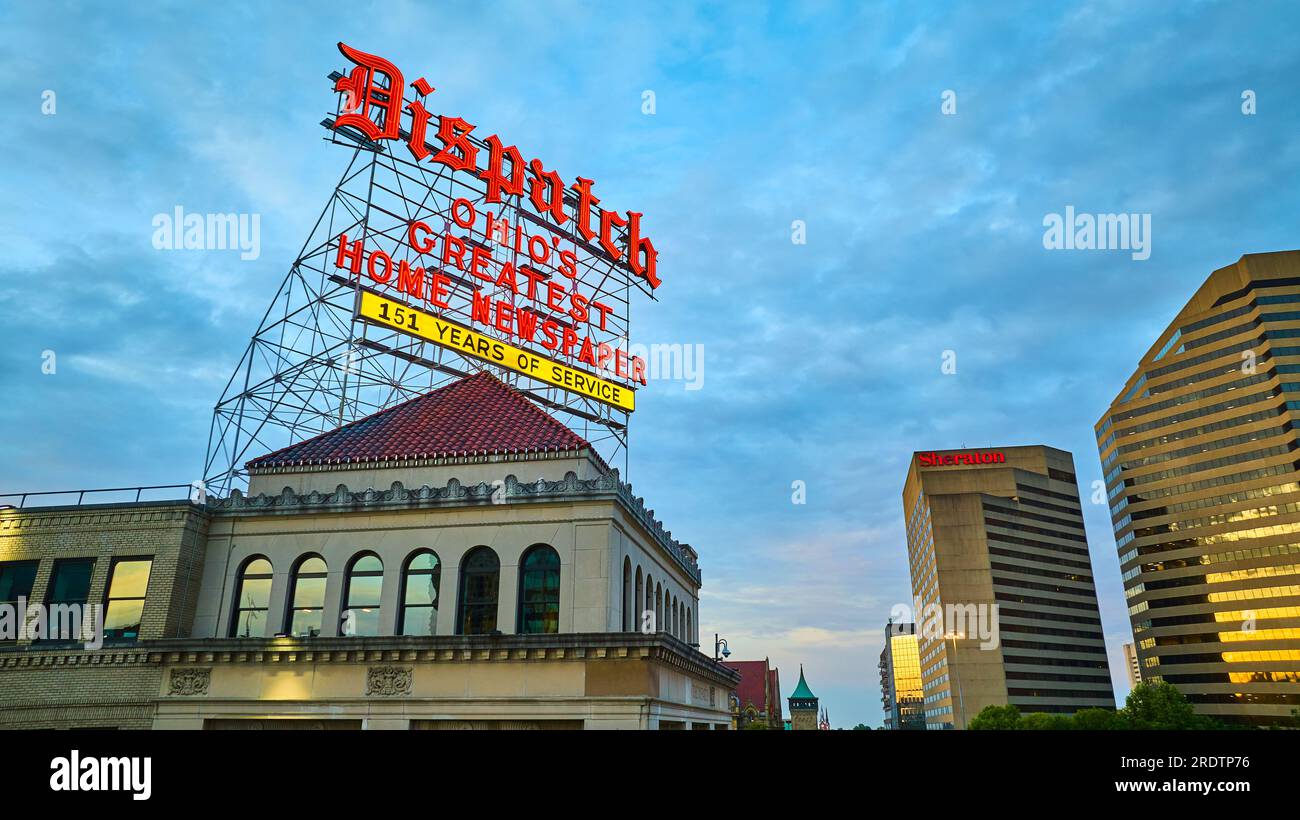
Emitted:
pixel 477 415
pixel 751 689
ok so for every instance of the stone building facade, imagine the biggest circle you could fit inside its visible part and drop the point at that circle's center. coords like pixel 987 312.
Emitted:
pixel 413 578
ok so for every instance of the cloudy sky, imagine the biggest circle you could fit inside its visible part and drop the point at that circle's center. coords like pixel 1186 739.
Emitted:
pixel 924 234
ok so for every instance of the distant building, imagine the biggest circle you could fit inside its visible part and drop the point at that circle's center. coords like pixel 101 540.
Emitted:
pixel 804 712
pixel 1131 665
pixel 900 678
pixel 757 698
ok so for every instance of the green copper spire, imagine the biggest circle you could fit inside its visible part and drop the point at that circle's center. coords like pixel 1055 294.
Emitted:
pixel 802 691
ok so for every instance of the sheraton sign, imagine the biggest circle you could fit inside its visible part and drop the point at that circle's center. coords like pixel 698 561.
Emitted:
pixel 523 256
pixel 960 459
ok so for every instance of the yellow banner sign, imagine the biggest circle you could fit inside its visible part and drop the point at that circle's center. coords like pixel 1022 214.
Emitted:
pixel 422 325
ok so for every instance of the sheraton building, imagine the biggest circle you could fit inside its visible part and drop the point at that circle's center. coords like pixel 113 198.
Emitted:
pixel 1003 584
pixel 460 560
pixel 1201 467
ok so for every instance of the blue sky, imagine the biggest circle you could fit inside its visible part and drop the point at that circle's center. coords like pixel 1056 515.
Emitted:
pixel 924 234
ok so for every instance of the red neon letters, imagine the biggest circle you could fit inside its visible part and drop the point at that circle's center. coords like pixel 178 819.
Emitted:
pixel 373 106
pixel 955 459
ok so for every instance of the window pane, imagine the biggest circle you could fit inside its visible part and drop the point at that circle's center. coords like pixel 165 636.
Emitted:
pixel 130 579
pixel 255 593
pixel 366 620
pixel 368 563
pixel 425 560
pixel 310 592
pixel 71 581
pixel 312 565
pixel 250 624
pixel 420 620
pixel 421 589
pixel 479 619
pixel 16 580
pixel 482 561
pixel 259 567
pixel 365 590
pixel 122 618
pixel 306 622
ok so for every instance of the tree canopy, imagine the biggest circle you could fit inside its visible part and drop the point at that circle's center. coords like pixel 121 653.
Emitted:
pixel 1149 706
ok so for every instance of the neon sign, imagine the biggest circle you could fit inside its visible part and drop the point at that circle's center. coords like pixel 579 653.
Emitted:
pixel 960 459
pixel 534 280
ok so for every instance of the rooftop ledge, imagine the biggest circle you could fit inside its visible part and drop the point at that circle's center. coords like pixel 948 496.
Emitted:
pixel 606 487
pixel 435 649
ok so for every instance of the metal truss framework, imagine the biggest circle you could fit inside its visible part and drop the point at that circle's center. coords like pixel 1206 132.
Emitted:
pixel 315 364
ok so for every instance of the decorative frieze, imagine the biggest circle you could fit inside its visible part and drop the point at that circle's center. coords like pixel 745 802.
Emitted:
pixel 189 680
pixel 388 681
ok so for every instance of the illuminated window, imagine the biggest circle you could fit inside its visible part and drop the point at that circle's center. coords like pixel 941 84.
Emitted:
pixel 252 597
pixel 423 577
pixel 539 591
pixel 365 585
pixel 480 579
pixel 1262 656
pixel 126 588
pixel 307 606
pixel 16 580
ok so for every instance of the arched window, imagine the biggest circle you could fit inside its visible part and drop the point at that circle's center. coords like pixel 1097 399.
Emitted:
pixel 480 576
pixel 539 591
pixel 690 629
pixel 627 594
pixel 362 595
pixel 650 597
pixel 677 621
pixel 659 608
pixel 252 598
pixel 307 600
pixel 638 605
pixel 419 607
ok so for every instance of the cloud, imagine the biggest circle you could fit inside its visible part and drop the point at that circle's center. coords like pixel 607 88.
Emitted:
pixel 822 359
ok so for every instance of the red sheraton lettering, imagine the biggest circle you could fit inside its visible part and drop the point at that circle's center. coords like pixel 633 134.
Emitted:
pixel 960 459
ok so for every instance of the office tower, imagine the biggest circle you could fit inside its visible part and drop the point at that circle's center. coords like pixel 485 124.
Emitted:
pixel 1003 584
pixel 900 678
pixel 1199 456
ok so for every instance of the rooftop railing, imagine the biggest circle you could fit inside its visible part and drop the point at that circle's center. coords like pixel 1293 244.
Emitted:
pixel 109 495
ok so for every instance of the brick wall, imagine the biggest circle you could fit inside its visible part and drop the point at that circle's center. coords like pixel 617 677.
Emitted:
pixel 112 687
pixel 173 533
pixel 77 689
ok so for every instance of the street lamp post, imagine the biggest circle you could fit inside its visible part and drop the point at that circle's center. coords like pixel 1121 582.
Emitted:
pixel 720 649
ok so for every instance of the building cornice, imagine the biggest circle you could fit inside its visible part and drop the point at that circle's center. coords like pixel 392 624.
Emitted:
pixel 607 487
pixel 582 646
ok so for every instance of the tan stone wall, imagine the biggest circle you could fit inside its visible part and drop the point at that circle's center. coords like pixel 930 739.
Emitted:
pixel 803 719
